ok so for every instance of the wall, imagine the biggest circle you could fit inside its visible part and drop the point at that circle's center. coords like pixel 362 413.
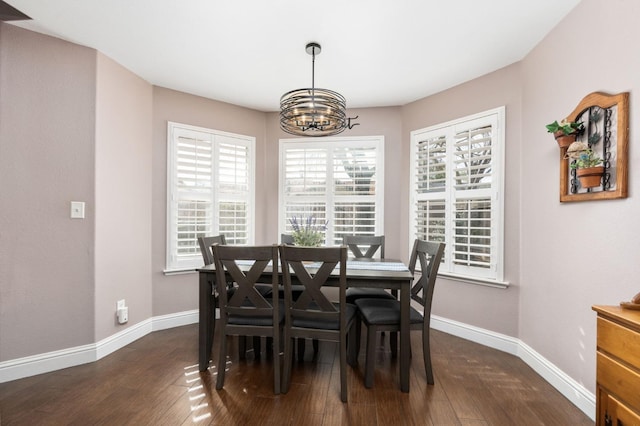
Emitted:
pixel 373 122
pixel 178 293
pixel 47 128
pixel 123 173
pixel 575 255
pixel 481 306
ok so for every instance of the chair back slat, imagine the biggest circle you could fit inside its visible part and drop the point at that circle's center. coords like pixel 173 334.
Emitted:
pixel 429 254
pixel 312 303
pixel 205 244
pixel 246 300
pixel 370 243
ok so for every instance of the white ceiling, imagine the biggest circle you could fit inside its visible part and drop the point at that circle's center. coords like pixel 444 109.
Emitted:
pixel 250 52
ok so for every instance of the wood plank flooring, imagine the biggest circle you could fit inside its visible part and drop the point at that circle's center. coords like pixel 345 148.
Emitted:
pixel 155 381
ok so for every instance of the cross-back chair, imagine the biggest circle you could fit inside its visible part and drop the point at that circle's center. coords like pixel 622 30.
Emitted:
pixel 365 247
pixel 312 315
pixel 384 314
pixel 247 311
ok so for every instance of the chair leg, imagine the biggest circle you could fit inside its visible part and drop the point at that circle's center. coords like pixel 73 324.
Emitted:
pixel 286 368
pixel 301 342
pixel 256 347
pixel 370 359
pixel 352 349
pixel 276 360
pixel 426 350
pixel 222 359
pixel 393 342
pixel 316 347
pixel 242 348
pixel 358 332
pixel 343 368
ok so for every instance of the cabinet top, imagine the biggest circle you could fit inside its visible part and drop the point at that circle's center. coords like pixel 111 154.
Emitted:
pixel 628 317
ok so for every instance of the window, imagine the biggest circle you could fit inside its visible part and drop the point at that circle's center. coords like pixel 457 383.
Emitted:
pixel 210 191
pixel 337 180
pixel 457 193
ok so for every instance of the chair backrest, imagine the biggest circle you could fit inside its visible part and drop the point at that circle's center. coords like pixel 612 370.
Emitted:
pixel 287 239
pixel 371 245
pixel 312 304
pixel 246 300
pixel 430 255
pixel 205 246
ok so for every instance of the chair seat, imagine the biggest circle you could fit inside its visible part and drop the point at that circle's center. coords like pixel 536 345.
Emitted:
pixel 350 313
pixel 384 312
pixel 264 321
pixel 354 293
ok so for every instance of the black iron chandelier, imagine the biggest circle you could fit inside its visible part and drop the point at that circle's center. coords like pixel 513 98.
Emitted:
pixel 314 112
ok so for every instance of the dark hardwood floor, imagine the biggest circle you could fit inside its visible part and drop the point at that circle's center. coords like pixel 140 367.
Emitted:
pixel 155 381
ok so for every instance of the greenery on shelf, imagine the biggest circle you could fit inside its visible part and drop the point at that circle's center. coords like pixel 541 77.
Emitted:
pixel 585 159
pixel 567 127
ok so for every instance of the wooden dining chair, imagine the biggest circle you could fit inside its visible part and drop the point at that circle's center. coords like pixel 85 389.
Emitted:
pixel 287 239
pixel 247 311
pixel 365 247
pixel 206 248
pixel 384 314
pixel 312 315
pixel 296 290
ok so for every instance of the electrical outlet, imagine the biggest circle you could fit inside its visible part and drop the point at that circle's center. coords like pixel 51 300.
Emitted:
pixel 120 304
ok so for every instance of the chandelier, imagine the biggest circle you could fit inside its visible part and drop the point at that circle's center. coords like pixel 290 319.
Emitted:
pixel 314 112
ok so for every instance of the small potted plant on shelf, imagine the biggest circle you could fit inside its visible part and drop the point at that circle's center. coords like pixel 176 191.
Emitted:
pixel 565 131
pixel 307 232
pixel 588 168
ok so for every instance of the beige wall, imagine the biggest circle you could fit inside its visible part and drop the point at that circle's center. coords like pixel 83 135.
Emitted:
pixel 490 308
pixel 123 170
pixel 47 128
pixel 179 293
pixel 575 255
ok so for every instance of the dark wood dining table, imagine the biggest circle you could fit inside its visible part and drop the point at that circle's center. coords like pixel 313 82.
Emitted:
pixel 387 274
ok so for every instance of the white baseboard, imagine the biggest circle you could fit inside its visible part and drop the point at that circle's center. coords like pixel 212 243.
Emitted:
pixel 51 361
pixel 569 388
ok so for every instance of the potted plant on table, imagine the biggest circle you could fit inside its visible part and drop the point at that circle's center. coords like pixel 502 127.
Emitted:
pixel 565 131
pixel 588 168
pixel 307 232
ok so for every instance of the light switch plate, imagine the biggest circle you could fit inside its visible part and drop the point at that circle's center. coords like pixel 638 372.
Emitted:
pixel 77 210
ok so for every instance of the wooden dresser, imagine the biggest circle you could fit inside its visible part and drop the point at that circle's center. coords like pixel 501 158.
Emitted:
pixel 618 366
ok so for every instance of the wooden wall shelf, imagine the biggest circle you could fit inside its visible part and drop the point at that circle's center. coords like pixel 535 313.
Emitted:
pixel 606 116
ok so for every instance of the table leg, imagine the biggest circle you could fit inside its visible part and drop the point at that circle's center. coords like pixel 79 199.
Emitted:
pixel 205 338
pixel 405 342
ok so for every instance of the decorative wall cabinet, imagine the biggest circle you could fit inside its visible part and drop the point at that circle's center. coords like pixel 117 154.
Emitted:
pixel 606 131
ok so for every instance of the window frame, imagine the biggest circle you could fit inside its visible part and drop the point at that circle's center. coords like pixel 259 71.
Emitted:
pixel 496 117
pixel 332 199
pixel 218 137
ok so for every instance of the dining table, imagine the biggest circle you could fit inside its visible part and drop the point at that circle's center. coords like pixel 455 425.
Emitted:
pixel 372 273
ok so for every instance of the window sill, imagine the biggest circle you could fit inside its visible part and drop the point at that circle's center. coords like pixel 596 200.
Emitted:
pixel 473 280
pixel 168 272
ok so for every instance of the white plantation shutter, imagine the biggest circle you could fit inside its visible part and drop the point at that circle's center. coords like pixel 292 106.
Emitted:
pixel 210 191
pixel 457 195
pixel 335 180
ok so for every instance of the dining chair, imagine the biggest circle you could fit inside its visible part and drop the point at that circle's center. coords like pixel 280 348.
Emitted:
pixel 247 311
pixel 371 245
pixel 287 239
pixel 384 314
pixel 206 248
pixel 312 315
pixel 297 290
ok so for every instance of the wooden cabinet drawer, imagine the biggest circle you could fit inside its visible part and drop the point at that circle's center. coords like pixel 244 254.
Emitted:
pixel 621 414
pixel 619 341
pixel 618 380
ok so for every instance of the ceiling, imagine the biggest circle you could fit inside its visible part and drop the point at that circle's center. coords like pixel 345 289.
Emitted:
pixel 250 52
